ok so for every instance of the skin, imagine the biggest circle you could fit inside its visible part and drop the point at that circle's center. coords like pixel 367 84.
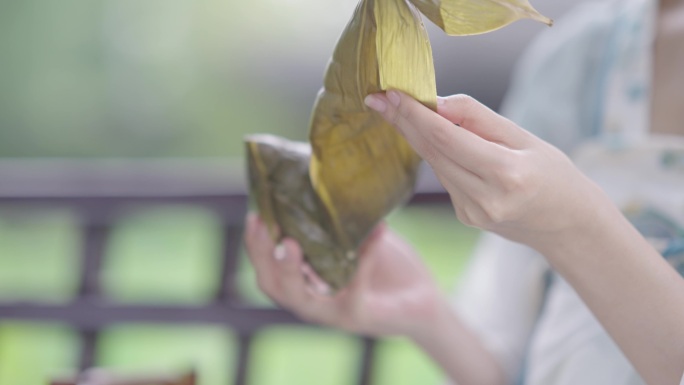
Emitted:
pixel 668 82
pixel 503 179
pixel 392 293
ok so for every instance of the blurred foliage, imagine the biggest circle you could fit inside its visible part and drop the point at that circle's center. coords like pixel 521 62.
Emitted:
pixel 172 78
pixel 50 241
pixel 31 353
pixel 146 78
pixel 121 78
pixel 170 256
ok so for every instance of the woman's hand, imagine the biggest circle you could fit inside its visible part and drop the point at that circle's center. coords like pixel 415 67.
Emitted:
pixel 392 292
pixel 503 179
pixel 500 177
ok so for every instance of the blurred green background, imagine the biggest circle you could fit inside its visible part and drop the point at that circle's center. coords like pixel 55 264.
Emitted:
pixel 170 256
pixel 188 79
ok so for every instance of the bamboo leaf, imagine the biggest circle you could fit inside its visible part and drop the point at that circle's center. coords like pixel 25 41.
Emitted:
pixel 472 17
pixel 361 167
pixel 328 194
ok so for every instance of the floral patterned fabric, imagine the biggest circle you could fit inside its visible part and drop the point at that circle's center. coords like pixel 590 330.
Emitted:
pixel 584 86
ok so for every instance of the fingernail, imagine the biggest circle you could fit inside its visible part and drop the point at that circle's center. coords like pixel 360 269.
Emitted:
pixel 323 289
pixel 279 253
pixel 441 100
pixel 394 98
pixel 375 103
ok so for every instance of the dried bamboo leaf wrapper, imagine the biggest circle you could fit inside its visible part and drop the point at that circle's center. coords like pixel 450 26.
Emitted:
pixel 469 17
pixel 329 194
pixel 279 181
pixel 362 167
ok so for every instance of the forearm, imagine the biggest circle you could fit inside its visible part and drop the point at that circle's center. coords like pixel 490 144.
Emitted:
pixel 636 295
pixel 458 351
pixel 503 179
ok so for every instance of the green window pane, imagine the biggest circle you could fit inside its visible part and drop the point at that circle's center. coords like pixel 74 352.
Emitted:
pixel 291 355
pixel 399 362
pixel 32 354
pixel 168 255
pixel 175 349
pixel 39 256
pixel 442 241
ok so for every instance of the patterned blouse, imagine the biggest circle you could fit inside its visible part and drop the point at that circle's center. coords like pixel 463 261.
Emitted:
pixel 583 86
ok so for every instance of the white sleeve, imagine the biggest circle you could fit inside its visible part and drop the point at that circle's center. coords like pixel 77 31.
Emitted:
pixel 502 292
pixel 500 297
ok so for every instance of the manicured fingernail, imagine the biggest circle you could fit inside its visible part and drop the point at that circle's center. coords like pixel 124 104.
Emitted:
pixel 279 253
pixel 323 289
pixel 394 98
pixel 375 103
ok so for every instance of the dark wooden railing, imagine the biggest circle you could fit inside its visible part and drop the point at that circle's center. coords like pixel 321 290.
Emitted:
pixel 101 191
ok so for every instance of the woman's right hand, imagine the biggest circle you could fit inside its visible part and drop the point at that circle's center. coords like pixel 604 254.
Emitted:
pixel 501 178
pixel 391 293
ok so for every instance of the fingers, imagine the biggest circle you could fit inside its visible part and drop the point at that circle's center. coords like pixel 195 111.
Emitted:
pixel 315 283
pixel 434 138
pixel 300 289
pixel 278 267
pixel 284 277
pixel 477 118
pixel 260 248
pixel 287 261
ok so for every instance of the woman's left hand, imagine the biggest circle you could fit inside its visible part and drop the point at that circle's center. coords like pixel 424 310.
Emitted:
pixel 391 293
pixel 500 177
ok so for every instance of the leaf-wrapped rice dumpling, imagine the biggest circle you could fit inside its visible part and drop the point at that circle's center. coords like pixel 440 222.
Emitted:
pixel 329 194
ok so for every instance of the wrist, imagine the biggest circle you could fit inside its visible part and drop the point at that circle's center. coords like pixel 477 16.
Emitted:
pixel 588 222
pixel 435 326
pixel 603 231
pixel 458 350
